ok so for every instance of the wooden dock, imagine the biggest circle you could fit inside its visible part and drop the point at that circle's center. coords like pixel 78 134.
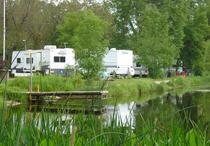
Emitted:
pixel 69 93
pixel 86 101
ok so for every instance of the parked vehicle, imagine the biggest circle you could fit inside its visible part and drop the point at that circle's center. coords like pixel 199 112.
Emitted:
pixel 139 69
pixel 48 60
pixel 118 62
pixel 55 60
pixel 21 62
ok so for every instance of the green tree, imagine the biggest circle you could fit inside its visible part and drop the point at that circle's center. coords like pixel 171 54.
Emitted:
pixel 177 12
pixel 85 32
pixel 206 58
pixel 153 43
pixel 196 35
pixel 126 22
pixel 33 21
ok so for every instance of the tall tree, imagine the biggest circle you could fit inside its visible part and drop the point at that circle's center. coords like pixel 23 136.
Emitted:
pixel 34 21
pixel 126 22
pixel 196 35
pixel 153 44
pixel 177 12
pixel 85 32
pixel 30 21
pixel 206 58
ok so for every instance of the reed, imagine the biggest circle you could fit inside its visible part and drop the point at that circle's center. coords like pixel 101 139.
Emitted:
pixel 40 129
pixel 20 127
pixel 118 88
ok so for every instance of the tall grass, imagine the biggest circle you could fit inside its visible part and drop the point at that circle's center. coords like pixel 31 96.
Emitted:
pixel 20 127
pixel 168 127
pixel 52 83
pixel 142 87
pixel 117 88
pixel 133 87
pixel 41 129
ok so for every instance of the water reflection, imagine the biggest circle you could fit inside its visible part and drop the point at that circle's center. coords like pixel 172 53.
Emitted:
pixel 123 113
pixel 189 110
pixel 186 111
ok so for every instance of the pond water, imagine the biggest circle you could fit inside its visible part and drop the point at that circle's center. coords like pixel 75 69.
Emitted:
pixel 193 108
pixel 164 113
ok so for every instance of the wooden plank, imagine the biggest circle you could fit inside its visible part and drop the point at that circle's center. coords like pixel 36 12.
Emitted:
pixel 67 98
pixel 203 90
pixel 67 110
pixel 67 93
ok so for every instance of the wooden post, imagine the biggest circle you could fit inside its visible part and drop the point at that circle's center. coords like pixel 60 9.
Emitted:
pixel 29 102
pixel 4 29
pixel 72 136
pixel 37 88
pixel 30 71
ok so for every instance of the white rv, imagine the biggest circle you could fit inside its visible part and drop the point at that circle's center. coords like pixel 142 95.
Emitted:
pixel 49 60
pixel 55 60
pixel 119 62
pixel 21 62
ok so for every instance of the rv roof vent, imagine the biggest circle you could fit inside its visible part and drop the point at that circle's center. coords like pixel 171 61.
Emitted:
pixel 47 47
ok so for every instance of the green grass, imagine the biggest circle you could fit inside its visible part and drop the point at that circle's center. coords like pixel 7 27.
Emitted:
pixel 126 88
pixel 133 87
pixel 168 128
pixel 37 129
pixel 142 87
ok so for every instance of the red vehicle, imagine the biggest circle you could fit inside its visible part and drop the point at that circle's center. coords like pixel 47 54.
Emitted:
pixel 181 69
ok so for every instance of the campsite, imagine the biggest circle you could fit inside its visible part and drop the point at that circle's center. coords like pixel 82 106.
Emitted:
pixel 104 73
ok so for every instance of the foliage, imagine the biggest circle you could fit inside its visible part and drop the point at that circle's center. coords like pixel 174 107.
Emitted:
pixel 206 58
pixel 177 20
pixel 85 32
pixel 126 22
pixel 160 124
pixel 153 44
pixel 33 21
pixel 196 33
pixel 36 20
pixel 117 89
pixel 185 29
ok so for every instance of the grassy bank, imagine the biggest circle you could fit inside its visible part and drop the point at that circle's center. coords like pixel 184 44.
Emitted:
pixel 117 88
pixel 168 127
pixel 142 87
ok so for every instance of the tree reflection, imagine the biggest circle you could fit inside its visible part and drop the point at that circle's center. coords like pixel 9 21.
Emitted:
pixel 172 112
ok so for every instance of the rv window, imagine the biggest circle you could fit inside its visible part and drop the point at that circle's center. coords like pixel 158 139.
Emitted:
pixel 59 59
pixel 28 60
pixel 56 59
pixel 18 60
pixel 62 59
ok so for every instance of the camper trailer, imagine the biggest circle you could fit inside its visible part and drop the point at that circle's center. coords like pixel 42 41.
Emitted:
pixel 48 60
pixel 21 66
pixel 119 62
pixel 55 60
